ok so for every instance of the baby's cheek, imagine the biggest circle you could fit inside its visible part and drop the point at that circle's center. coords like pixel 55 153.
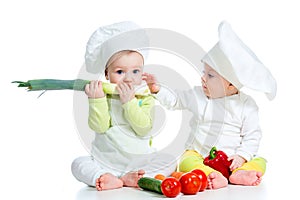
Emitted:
pixel 138 81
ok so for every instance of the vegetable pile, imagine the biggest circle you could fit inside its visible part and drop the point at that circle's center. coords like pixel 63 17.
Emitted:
pixel 189 183
pixel 170 186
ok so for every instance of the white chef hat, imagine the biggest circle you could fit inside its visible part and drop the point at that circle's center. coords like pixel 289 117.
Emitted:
pixel 110 39
pixel 233 60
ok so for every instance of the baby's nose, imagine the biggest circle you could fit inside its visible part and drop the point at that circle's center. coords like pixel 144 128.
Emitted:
pixel 128 77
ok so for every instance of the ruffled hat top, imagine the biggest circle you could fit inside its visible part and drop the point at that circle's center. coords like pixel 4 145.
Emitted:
pixel 110 39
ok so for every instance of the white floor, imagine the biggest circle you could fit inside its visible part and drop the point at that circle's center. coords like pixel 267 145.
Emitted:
pixel 232 192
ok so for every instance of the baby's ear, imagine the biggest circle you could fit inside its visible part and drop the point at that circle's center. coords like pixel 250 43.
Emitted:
pixel 106 74
pixel 232 88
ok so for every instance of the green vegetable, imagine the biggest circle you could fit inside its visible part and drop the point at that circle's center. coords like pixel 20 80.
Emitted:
pixel 77 84
pixel 56 84
pixel 150 184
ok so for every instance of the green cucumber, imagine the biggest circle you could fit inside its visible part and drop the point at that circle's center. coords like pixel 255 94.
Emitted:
pixel 150 184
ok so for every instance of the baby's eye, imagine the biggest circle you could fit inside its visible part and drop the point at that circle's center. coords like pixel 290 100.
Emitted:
pixel 136 71
pixel 210 76
pixel 119 71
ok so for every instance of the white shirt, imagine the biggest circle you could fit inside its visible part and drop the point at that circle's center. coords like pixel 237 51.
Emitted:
pixel 119 145
pixel 230 123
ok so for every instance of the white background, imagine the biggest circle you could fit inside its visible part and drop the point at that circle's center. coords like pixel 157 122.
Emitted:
pixel 46 39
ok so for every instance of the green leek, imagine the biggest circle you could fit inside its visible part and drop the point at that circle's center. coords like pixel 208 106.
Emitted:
pixel 77 84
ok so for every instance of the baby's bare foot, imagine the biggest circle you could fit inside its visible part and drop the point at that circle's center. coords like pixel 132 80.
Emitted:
pixel 216 180
pixel 243 177
pixel 131 178
pixel 108 181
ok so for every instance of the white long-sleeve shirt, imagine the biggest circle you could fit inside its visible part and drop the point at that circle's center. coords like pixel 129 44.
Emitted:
pixel 230 123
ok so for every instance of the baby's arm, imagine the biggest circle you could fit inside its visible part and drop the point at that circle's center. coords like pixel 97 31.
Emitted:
pixel 126 92
pixel 151 82
pixel 171 99
pixel 138 114
pixel 94 90
pixel 251 135
pixel 237 161
pixel 99 117
pixel 250 131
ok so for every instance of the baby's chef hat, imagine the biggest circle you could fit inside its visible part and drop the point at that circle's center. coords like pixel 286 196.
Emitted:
pixel 233 60
pixel 110 39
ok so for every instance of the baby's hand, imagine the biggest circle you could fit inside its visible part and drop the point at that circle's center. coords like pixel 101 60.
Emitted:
pixel 126 91
pixel 151 82
pixel 237 161
pixel 94 90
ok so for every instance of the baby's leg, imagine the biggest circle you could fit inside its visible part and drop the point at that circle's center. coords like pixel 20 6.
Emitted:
pixel 108 181
pixel 158 163
pixel 216 180
pixel 244 177
pixel 250 173
pixel 86 169
pixel 131 178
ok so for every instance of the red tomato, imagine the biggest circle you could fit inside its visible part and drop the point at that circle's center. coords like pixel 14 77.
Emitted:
pixel 170 187
pixel 202 177
pixel 190 183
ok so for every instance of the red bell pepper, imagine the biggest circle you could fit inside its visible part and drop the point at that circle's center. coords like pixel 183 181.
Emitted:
pixel 218 160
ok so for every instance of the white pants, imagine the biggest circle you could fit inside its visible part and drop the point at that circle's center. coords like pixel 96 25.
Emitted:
pixel 86 169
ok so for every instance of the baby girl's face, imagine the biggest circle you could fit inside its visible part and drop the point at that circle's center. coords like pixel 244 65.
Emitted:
pixel 127 68
pixel 214 85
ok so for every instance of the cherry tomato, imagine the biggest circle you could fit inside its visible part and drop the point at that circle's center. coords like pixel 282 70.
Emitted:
pixel 170 187
pixel 202 177
pixel 190 183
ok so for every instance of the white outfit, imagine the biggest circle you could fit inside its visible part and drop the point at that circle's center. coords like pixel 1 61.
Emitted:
pixel 229 123
pixel 118 147
pixel 119 151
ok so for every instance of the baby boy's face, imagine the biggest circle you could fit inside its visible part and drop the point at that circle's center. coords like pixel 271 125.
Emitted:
pixel 127 68
pixel 214 85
